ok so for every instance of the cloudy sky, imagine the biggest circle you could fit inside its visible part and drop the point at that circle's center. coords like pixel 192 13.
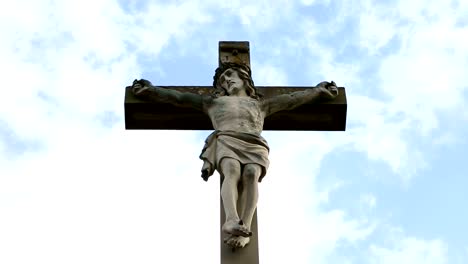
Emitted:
pixel 76 187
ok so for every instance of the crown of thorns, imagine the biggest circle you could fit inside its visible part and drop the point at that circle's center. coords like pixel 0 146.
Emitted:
pixel 230 65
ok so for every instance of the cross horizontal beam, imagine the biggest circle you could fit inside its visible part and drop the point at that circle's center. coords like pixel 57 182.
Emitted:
pixel 323 116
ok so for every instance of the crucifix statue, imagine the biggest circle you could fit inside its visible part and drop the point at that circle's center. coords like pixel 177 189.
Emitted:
pixel 237 111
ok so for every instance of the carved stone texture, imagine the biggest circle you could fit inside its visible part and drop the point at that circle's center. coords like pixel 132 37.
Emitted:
pixel 322 116
pixel 234 51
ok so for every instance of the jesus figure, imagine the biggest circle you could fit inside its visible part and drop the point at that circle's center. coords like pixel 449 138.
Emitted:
pixel 235 149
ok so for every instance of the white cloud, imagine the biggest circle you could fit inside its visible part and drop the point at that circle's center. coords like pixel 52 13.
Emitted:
pixel 368 200
pixel 256 16
pixel 268 75
pixel 312 2
pixel 95 193
pixel 326 191
pixel 290 198
pixel 426 75
pixel 377 26
pixel 110 198
pixel 422 79
pixel 324 62
pixel 410 250
pixel 78 57
pixel 379 131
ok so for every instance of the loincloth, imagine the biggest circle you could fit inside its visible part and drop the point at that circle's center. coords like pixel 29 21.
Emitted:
pixel 246 148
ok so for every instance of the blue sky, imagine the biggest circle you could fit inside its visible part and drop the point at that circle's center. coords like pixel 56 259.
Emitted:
pixel 76 187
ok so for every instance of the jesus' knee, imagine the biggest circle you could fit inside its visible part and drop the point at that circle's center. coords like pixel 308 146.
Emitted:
pixel 251 173
pixel 230 169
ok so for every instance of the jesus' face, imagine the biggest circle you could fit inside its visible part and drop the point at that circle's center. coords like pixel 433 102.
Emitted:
pixel 232 83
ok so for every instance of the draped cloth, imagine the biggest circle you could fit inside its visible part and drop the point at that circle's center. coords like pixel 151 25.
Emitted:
pixel 246 148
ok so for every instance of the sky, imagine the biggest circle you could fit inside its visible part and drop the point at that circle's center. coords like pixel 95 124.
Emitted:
pixel 76 187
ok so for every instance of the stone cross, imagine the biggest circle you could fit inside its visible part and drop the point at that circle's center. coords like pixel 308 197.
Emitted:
pixel 315 115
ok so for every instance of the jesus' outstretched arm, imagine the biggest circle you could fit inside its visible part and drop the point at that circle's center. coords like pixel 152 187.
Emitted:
pixel 323 91
pixel 145 90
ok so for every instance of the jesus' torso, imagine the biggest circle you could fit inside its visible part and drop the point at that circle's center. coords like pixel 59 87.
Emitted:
pixel 236 113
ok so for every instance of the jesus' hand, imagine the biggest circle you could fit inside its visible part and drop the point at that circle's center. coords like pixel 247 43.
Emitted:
pixel 140 87
pixel 328 90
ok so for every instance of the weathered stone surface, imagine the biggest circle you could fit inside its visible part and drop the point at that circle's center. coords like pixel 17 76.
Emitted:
pixel 247 255
pixel 234 51
pixel 323 116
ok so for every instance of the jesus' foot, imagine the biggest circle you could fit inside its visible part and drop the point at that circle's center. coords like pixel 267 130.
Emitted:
pixel 237 228
pixel 236 241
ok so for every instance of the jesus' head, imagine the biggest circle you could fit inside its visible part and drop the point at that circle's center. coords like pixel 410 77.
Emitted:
pixel 234 79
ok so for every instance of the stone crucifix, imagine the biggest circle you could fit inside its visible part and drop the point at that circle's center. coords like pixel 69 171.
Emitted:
pixel 237 111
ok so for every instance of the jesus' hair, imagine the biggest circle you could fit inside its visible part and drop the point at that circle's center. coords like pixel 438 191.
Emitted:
pixel 244 73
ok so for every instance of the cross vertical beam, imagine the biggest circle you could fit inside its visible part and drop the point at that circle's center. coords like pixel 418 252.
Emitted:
pixel 238 52
pixel 247 255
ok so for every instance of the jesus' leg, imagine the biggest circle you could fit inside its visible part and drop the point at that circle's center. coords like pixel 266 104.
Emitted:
pixel 248 202
pixel 231 170
pixel 249 180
